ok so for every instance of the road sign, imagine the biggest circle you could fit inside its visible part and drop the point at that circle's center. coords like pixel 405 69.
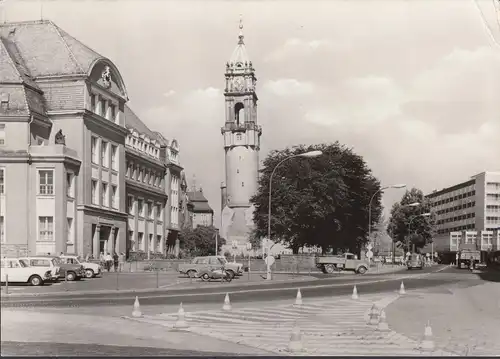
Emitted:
pixel 249 246
pixel 369 254
pixel 369 246
pixel 235 244
pixel 270 260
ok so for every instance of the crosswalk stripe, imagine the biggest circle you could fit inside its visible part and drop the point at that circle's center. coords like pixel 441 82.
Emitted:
pixel 328 327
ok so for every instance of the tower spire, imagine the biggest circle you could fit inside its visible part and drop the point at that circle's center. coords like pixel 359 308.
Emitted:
pixel 240 42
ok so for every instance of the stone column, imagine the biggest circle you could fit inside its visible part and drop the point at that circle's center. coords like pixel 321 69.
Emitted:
pixel 95 241
pixel 111 240
pixel 177 248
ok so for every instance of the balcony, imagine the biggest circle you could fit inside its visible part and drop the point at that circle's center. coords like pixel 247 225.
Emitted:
pixel 53 151
pixel 242 127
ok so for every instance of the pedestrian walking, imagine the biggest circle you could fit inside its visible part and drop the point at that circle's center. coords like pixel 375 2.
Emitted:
pixel 115 261
pixel 108 260
pixel 121 261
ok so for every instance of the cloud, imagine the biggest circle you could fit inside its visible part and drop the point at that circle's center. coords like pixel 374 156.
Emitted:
pixel 294 47
pixel 169 93
pixel 288 87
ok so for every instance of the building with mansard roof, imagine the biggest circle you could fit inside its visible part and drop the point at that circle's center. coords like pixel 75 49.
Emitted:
pixel 73 157
pixel 201 212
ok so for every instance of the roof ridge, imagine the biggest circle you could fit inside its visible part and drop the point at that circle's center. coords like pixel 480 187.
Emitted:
pixel 72 55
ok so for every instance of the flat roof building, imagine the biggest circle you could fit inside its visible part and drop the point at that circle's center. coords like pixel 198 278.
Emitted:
pixel 467 207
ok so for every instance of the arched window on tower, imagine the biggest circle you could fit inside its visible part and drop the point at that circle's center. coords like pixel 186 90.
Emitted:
pixel 239 113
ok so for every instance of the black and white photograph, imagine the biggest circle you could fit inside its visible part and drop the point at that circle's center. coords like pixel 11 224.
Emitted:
pixel 250 178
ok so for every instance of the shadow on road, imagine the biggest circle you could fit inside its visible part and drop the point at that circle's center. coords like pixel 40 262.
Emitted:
pixel 490 274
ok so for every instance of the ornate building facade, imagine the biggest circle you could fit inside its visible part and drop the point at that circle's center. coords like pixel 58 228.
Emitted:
pixel 241 136
pixel 67 142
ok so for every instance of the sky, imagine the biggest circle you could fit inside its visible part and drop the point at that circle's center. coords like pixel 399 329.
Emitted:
pixel 412 86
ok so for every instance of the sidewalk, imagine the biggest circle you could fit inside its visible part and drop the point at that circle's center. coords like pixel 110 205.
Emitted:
pixel 464 321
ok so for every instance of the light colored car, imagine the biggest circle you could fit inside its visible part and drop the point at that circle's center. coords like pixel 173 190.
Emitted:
pixel 91 269
pixel 18 271
pixel 71 271
pixel 415 261
pixel 205 264
pixel 48 262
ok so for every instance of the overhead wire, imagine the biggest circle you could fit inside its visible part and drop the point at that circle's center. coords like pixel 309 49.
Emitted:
pixel 486 24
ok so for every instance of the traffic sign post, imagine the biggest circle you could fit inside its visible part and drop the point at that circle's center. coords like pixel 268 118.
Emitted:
pixel 235 246
pixel 249 248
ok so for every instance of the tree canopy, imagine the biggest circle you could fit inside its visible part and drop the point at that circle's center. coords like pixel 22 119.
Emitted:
pixel 200 241
pixel 421 229
pixel 321 201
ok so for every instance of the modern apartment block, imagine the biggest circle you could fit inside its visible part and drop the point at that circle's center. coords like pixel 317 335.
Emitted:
pixel 73 155
pixel 468 211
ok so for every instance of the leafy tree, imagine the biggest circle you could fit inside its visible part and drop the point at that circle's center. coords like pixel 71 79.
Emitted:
pixel 320 201
pixel 200 241
pixel 421 229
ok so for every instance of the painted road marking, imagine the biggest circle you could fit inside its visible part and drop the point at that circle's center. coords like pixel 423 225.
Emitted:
pixel 328 327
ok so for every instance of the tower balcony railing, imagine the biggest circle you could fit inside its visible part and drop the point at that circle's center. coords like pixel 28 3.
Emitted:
pixel 241 127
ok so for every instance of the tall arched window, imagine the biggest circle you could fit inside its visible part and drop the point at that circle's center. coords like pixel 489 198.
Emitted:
pixel 239 113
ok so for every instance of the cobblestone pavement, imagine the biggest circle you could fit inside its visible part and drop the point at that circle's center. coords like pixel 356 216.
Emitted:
pixel 68 349
pixel 464 320
pixel 328 327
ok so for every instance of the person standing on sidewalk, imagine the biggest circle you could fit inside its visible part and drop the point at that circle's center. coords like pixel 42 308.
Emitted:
pixel 115 261
pixel 109 261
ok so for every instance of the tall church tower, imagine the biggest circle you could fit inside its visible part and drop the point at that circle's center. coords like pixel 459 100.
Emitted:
pixel 241 146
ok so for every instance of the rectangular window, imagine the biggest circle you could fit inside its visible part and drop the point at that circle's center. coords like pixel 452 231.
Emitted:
pixel 159 214
pixel 131 240
pixel 150 210
pixel 140 241
pixel 158 243
pixel 140 176
pixel 102 107
pixel 94 192
pixel 130 204
pixel 114 197
pixel 92 102
pixel 46 229
pixel 94 145
pixel 2 230
pixel 2 134
pixel 114 159
pixel 70 230
pixel 112 113
pixel 69 185
pixel 146 177
pixel 140 207
pixel 151 243
pixel 46 182
pixel 2 181
pixel 104 195
pixel 104 154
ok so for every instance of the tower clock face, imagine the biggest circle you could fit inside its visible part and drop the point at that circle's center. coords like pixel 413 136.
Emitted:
pixel 238 83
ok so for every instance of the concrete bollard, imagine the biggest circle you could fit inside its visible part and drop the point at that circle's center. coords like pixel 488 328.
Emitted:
pixel 295 344
pixel 298 299
pixel 355 295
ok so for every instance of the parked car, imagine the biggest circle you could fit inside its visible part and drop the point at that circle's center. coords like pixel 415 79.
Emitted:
pixel 415 261
pixel 18 271
pixel 202 265
pixel 91 269
pixel 49 262
pixel 70 271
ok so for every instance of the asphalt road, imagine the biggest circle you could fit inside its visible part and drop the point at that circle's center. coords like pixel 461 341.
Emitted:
pixel 240 293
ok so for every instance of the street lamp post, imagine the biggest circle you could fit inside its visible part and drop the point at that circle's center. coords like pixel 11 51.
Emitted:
pixel 414 204
pixel 409 228
pixel 370 207
pixel 307 155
